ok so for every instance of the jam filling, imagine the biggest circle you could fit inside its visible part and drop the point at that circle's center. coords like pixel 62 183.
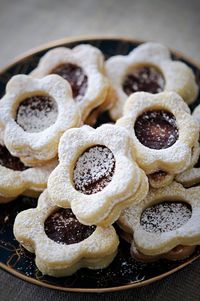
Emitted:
pixel 146 79
pixel 36 113
pixel 158 175
pixel 63 227
pixel 94 169
pixel 75 76
pixel 166 216
pixel 9 161
pixel 156 129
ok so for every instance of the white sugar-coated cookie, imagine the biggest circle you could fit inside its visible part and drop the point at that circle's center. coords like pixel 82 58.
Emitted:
pixel 149 68
pixel 162 129
pixel 97 175
pixel 159 230
pixel 178 253
pixel 191 176
pixel 17 178
pixel 34 113
pixel 161 179
pixel 61 244
pixel 83 66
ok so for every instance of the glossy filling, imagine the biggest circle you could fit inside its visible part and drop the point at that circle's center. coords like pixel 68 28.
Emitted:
pixel 9 161
pixel 36 113
pixel 75 76
pixel 156 129
pixel 158 176
pixel 146 79
pixel 94 169
pixel 166 216
pixel 63 227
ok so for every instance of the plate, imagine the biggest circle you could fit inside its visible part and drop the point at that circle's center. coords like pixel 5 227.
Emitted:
pixel 124 272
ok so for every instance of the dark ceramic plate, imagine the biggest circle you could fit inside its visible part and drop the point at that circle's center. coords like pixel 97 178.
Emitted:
pixel 124 272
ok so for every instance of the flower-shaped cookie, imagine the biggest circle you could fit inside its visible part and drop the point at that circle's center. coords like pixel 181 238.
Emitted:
pixel 191 176
pixel 178 253
pixel 34 113
pixel 61 243
pixel 160 178
pixel 17 178
pixel 149 68
pixel 97 175
pixel 162 130
pixel 83 68
pixel 166 218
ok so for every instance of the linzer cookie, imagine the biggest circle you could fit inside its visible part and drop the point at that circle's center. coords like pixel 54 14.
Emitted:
pixel 97 175
pixel 191 176
pixel 161 178
pixel 164 220
pixel 83 68
pixel 17 178
pixel 62 244
pixel 149 68
pixel 163 132
pixel 34 114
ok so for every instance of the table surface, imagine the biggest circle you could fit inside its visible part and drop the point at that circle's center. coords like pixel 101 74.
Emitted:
pixel 25 24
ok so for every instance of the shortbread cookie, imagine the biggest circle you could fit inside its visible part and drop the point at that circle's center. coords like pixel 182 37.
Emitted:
pixel 97 175
pixel 104 107
pixel 34 113
pixel 83 68
pixel 178 253
pixel 160 178
pixel 62 244
pixel 17 178
pixel 166 218
pixel 191 176
pixel 149 68
pixel 162 130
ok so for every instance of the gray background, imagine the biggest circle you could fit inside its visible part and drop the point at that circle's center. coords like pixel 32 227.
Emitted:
pixel 28 23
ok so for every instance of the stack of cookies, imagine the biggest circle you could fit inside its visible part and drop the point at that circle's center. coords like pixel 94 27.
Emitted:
pixel 137 170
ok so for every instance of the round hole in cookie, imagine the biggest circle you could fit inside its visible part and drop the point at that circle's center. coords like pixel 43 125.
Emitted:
pixel 63 227
pixel 76 76
pixel 36 113
pixel 165 216
pixel 9 161
pixel 156 129
pixel 94 169
pixel 144 78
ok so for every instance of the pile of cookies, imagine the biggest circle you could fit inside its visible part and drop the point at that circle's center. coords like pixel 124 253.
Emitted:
pixel 141 170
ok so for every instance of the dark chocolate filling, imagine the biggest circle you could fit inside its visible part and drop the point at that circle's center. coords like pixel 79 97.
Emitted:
pixel 94 169
pixel 158 175
pixel 36 113
pixel 146 79
pixel 75 76
pixel 9 161
pixel 165 216
pixel 63 227
pixel 156 129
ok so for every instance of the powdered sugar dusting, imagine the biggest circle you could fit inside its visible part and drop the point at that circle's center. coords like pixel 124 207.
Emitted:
pixel 63 227
pixel 166 216
pixel 37 113
pixel 156 129
pixel 75 76
pixel 146 79
pixel 94 169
